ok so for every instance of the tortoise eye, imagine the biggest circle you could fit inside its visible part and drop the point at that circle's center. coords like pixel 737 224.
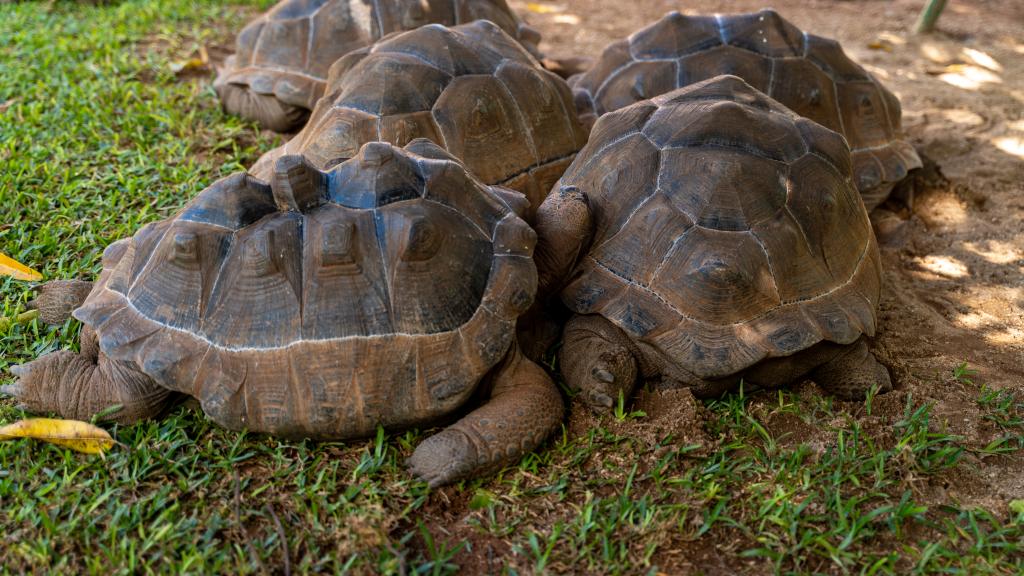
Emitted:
pixel 185 249
pixel 338 246
pixel 422 242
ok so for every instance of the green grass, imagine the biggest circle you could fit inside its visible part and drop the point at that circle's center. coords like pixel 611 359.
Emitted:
pixel 100 137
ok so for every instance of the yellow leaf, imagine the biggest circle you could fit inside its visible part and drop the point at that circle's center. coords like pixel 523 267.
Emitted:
pixel 19 271
pixel 80 436
pixel 187 65
pixel 541 8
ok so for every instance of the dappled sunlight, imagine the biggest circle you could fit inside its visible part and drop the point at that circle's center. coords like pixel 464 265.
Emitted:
pixel 974 320
pixel 997 251
pixel 969 77
pixel 995 314
pixel 992 329
pixel 943 209
pixel 982 59
pixel 1010 336
pixel 963 117
pixel 945 266
pixel 570 19
pixel 1011 145
pixel 969 69
pixel 936 52
pixel 879 72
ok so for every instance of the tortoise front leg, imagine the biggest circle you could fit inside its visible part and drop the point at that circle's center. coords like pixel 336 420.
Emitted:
pixel 598 360
pixel 850 374
pixel 523 409
pixel 81 385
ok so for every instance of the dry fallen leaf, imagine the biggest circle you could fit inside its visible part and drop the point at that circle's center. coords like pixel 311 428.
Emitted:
pixel 187 65
pixel 541 8
pixel 880 45
pixel 74 434
pixel 19 271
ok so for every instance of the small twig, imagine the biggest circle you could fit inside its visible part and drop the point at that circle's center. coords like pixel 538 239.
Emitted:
pixel 282 537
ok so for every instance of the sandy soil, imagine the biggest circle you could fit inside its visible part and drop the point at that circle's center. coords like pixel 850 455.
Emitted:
pixel 954 274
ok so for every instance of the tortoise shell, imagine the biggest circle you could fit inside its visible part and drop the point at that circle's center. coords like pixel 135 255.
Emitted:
pixel 471 89
pixel 810 75
pixel 727 230
pixel 323 304
pixel 282 57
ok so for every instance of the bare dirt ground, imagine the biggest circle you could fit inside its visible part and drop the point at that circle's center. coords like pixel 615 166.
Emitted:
pixel 954 280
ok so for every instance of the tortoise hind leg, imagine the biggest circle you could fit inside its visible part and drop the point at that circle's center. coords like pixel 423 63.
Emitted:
pixel 851 373
pixel 524 407
pixel 81 385
pixel 267 110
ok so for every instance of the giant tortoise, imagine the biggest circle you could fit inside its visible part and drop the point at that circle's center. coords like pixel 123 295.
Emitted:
pixel 808 74
pixel 471 89
pixel 384 292
pixel 706 237
pixel 279 69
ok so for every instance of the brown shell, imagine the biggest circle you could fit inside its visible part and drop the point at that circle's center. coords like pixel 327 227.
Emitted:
pixel 728 229
pixel 471 89
pixel 808 74
pixel 323 304
pixel 287 51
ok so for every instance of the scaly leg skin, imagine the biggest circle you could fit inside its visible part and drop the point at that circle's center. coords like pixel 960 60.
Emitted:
pixel 565 227
pixel 265 109
pixel 79 386
pixel 523 409
pixel 59 298
pixel 851 373
pixel 598 360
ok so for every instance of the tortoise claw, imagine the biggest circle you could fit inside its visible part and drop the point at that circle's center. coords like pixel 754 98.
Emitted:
pixel 600 401
pixel 603 375
pixel 12 390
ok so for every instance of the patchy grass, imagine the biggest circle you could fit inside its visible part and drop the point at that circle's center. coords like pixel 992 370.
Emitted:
pixel 98 136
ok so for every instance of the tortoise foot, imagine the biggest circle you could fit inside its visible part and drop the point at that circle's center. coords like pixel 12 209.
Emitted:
pixel 853 373
pixel 443 458
pixel 597 361
pixel 268 111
